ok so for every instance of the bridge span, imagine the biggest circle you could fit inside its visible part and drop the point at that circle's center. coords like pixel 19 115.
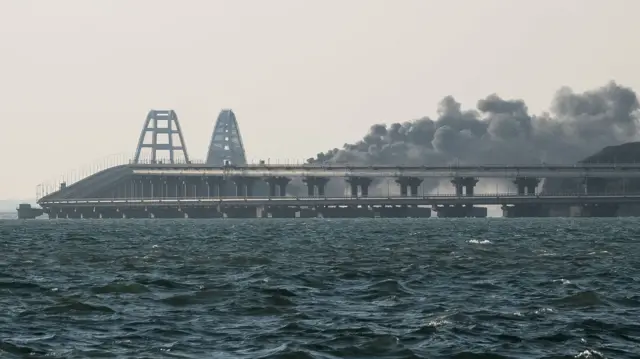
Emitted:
pixel 431 200
pixel 330 170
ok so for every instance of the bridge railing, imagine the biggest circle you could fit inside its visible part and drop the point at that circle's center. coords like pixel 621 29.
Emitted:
pixel 72 176
pixel 76 175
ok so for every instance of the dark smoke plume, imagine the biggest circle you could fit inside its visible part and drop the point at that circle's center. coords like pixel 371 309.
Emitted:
pixel 501 131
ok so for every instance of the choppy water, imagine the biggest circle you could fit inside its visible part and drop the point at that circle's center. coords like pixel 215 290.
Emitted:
pixel 496 288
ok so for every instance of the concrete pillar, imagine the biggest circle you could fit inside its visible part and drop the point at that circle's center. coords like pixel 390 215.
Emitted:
pixel 314 183
pixel 172 187
pixel 244 186
pixel 409 183
pixel 364 189
pixel 359 182
pixel 459 189
pixel 241 189
pixel 283 189
pixel 354 189
pixel 249 187
pixel 525 210
pixel 464 185
pixel 469 189
pixel 282 183
pixel 277 185
pixel 460 211
pixel 526 185
pixel 213 186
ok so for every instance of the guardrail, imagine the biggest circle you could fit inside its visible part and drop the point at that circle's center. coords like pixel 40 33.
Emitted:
pixel 284 168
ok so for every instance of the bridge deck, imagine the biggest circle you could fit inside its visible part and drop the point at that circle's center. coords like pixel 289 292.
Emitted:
pixel 489 171
pixel 433 200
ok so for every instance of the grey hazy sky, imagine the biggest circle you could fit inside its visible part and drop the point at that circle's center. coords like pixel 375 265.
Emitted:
pixel 77 77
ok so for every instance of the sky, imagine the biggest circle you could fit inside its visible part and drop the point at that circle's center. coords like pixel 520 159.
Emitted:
pixel 77 77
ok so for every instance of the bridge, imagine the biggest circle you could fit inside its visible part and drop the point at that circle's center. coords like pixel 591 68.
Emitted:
pixel 225 180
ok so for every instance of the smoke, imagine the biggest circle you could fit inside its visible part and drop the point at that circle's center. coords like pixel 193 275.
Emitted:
pixel 501 131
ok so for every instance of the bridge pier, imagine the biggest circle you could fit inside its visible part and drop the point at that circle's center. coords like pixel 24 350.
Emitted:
pixel 460 211
pixel 526 185
pixel 167 213
pixel 136 213
pixel 316 185
pixel 524 211
pixel 90 213
pixel 277 186
pixel 280 212
pixel 202 212
pixel 359 183
pixel 240 212
pixel 244 186
pixel 111 213
pixel 212 186
pixel 464 185
pixel 409 183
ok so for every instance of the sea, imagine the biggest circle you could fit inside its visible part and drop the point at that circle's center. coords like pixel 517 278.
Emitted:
pixel 324 289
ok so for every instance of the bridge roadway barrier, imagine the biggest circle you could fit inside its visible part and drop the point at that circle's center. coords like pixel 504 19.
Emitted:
pixel 174 180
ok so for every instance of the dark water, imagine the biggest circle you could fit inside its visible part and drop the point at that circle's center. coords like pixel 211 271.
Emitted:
pixel 320 289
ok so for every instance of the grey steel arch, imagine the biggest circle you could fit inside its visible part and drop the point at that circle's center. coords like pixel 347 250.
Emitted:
pixel 173 127
pixel 226 143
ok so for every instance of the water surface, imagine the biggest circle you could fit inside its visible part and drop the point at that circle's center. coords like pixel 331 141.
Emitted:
pixel 428 288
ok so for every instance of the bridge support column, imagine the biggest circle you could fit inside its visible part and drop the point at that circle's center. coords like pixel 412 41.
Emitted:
pixel 316 185
pixel 244 186
pixel 464 185
pixel 212 186
pixel 361 183
pixel 90 213
pixel 409 183
pixel 167 213
pixel 111 213
pixel 202 212
pixel 524 211
pixel 460 211
pixel 526 185
pixel 136 213
pixel 277 186
pixel 240 212
pixel 280 212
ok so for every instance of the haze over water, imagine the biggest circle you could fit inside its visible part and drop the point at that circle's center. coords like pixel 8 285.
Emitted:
pixel 468 288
